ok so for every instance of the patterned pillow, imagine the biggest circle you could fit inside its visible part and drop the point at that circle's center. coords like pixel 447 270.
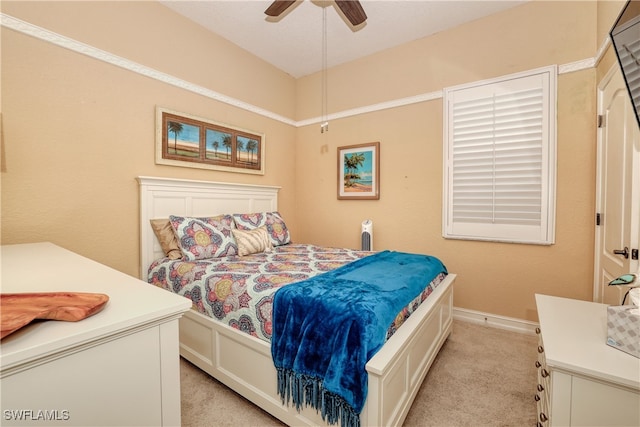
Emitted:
pixel 167 238
pixel 252 241
pixel 277 229
pixel 201 238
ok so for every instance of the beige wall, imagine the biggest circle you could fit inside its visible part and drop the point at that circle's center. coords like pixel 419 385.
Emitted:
pixel 493 277
pixel 608 12
pixel 78 131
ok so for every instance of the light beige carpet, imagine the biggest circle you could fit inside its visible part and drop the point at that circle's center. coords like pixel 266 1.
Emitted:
pixel 482 377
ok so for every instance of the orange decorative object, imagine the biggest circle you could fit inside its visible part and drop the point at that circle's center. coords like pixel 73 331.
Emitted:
pixel 18 310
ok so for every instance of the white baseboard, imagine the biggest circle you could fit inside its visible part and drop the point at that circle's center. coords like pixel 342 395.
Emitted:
pixel 495 321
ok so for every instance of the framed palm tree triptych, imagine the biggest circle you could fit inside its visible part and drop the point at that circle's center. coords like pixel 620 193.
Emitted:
pixel 189 141
pixel 359 171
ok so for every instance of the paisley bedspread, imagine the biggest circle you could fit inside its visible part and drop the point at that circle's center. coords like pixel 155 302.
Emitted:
pixel 239 291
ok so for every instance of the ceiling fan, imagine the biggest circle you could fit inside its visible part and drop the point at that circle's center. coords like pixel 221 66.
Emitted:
pixel 352 9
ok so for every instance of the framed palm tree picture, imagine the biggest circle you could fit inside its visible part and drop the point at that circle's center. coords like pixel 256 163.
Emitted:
pixel 190 141
pixel 359 171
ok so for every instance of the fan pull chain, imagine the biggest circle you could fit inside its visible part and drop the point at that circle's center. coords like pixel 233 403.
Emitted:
pixel 324 126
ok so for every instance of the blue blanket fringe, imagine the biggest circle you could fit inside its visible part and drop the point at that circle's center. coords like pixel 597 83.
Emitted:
pixel 304 389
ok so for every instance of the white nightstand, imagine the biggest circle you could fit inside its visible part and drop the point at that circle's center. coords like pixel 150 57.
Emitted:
pixel 581 380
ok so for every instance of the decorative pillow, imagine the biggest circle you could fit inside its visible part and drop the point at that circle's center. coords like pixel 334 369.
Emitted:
pixel 277 229
pixel 167 238
pixel 252 241
pixel 201 238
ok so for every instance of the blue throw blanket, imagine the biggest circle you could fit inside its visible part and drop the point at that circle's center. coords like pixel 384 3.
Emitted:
pixel 325 329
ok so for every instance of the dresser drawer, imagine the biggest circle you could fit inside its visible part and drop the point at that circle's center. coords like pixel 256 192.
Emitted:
pixel 542 386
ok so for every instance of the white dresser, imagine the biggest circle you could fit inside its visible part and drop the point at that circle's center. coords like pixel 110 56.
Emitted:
pixel 119 367
pixel 581 380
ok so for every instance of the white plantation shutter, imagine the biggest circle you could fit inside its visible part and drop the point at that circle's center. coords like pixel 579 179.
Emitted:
pixel 499 159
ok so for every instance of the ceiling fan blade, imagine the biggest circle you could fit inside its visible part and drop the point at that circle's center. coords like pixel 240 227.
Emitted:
pixel 278 6
pixel 352 10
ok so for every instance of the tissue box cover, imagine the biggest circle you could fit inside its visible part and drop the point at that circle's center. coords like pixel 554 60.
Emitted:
pixel 623 329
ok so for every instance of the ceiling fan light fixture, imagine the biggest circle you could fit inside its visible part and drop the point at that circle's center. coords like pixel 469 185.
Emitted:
pixel 351 9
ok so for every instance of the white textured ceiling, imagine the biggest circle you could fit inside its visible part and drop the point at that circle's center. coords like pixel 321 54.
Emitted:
pixel 293 42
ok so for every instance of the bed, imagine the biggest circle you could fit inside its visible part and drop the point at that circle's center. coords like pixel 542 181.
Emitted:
pixel 244 362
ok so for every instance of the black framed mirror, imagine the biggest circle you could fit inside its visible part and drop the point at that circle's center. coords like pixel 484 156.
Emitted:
pixel 625 35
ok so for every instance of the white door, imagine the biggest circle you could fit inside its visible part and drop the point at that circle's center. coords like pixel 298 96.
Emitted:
pixel 618 189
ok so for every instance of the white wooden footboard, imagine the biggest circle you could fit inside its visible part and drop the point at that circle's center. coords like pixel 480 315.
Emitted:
pixel 396 372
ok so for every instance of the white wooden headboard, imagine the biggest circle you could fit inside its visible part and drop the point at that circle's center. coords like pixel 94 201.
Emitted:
pixel 161 197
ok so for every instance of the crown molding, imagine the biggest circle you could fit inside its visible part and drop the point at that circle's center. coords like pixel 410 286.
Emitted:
pixel 93 52
pixel 375 107
pixel 572 67
pixel 603 49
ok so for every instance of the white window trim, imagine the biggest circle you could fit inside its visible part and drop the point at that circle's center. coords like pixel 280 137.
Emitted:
pixel 545 233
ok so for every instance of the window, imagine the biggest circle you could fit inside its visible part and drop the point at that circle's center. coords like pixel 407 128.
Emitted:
pixel 500 159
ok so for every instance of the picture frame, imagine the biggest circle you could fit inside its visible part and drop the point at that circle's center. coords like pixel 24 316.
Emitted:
pixel 359 172
pixel 186 140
